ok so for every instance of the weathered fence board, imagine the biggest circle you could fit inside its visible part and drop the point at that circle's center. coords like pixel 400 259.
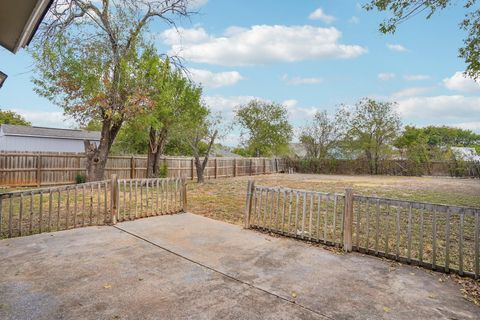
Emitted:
pixel 47 169
pixel 439 237
pixel 96 203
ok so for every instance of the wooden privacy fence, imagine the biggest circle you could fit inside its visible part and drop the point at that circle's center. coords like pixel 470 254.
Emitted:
pixel 434 236
pixel 89 204
pixel 44 169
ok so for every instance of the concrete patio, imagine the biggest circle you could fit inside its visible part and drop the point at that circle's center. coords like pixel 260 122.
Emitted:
pixel 190 267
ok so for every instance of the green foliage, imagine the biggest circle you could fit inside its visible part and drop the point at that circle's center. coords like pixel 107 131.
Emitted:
pixel 11 117
pixel 423 145
pixel 267 127
pixel 80 178
pixel 402 10
pixel 176 104
pixel 241 151
pixel 163 173
pixel 370 128
pixel 322 136
pixel 93 125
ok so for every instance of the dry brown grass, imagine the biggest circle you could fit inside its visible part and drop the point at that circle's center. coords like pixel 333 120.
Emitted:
pixel 224 199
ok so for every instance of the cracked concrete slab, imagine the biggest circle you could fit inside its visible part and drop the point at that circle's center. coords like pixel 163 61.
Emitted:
pixel 190 267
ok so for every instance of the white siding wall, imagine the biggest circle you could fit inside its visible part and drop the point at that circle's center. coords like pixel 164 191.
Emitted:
pixel 17 143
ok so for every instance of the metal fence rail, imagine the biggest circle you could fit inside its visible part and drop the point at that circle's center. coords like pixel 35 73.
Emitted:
pixel 90 204
pixel 439 237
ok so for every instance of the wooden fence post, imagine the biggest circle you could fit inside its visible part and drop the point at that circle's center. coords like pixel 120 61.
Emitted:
pixel 192 164
pixel 248 206
pixel 348 220
pixel 215 162
pixel 234 167
pixel 264 166
pixel 132 168
pixel 250 170
pixel 39 171
pixel 184 195
pixel 113 200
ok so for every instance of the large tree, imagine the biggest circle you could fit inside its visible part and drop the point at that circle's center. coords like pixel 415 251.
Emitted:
pixel 266 130
pixel 402 10
pixel 322 136
pixel 199 135
pixel 11 117
pixel 88 59
pixel 372 127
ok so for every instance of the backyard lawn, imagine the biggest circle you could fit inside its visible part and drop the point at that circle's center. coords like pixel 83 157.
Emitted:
pixel 224 199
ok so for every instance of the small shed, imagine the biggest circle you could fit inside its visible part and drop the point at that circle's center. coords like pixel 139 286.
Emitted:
pixel 41 139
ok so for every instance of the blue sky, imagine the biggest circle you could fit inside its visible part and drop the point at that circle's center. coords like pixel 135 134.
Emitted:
pixel 309 55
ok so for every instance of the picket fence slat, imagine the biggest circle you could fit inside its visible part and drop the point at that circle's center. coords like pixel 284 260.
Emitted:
pixel 439 237
pixel 40 210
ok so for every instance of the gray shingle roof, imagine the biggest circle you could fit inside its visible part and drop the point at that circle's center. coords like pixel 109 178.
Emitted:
pixel 77 134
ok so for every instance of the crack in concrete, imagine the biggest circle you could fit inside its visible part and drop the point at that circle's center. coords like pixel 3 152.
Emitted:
pixel 293 302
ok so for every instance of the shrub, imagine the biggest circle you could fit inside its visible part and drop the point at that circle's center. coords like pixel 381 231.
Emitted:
pixel 163 173
pixel 80 178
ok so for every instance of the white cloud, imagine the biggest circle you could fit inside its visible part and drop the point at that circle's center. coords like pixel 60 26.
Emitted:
pixel 459 82
pixel 195 4
pixel 290 103
pixel 354 20
pixel 259 44
pixel 442 109
pixel 416 77
pixel 226 105
pixel 473 125
pixel 295 81
pixel 396 47
pixel 215 80
pixel 411 92
pixel 54 119
pixel 384 76
pixel 322 16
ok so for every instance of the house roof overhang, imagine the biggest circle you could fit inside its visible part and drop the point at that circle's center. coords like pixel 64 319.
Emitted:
pixel 19 20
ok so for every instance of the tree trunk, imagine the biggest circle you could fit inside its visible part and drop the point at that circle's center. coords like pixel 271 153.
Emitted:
pixel 156 147
pixel 200 170
pixel 368 154
pixel 162 141
pixel 97 156
pixel 152 151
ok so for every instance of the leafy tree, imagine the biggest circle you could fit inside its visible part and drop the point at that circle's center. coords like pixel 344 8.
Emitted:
pixel 422 145
pixel 175 101
pixel 200 135
pixel 371 128
pixel 267 127
pixel 413 143
pixel 322 136
pixel 403 10
pixel 11 117
pixel 88 59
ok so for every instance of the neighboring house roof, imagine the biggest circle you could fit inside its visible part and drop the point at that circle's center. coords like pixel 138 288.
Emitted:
pixel 218 151
pixel 469 154
pixel 298 150
pixel 26 131
pixel 19 20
